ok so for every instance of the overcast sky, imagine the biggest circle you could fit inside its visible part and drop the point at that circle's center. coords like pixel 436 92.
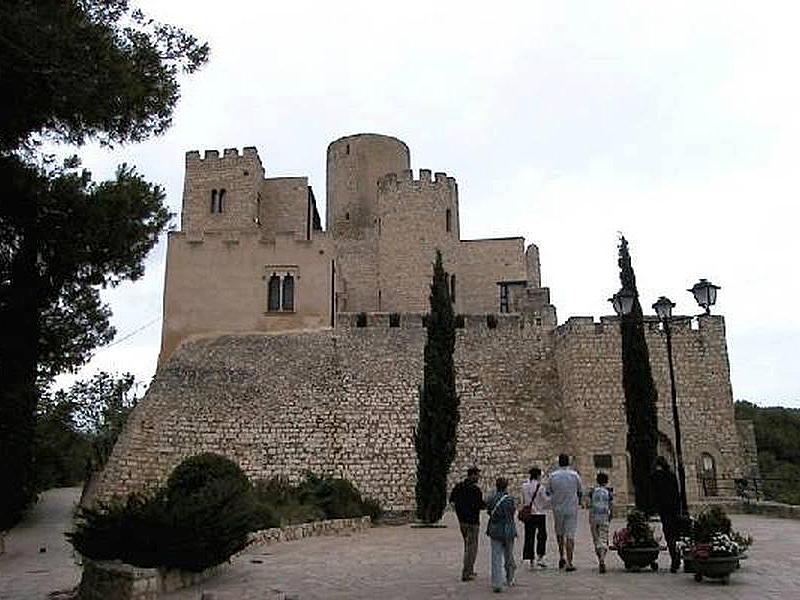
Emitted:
pixel 566 122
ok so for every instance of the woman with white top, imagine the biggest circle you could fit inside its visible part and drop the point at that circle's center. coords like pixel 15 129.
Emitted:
pixel 534 495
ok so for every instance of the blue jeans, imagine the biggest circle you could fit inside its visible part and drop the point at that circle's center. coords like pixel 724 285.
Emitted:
pixel 503 565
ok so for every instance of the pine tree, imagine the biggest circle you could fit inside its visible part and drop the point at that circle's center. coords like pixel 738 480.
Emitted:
pixel 435 435
pixel 640 390
pixel 73 71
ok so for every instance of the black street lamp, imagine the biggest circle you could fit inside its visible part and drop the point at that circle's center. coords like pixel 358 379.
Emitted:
pixel 705 293
pixel 663 308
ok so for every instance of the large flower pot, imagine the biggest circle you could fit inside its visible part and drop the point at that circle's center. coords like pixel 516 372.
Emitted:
pixel 636 559
pixel 715 567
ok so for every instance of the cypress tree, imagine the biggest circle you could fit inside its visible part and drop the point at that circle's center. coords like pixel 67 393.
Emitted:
pixel 640 390
pixel 435 434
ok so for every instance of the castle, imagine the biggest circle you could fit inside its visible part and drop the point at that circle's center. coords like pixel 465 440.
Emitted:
pixel 291 348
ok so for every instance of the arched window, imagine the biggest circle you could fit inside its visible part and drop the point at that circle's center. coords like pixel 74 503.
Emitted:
pixel 288 292
pixel 221 201
pixel 452 288
pixel 448 217
pixel 274 293
pixel 214 201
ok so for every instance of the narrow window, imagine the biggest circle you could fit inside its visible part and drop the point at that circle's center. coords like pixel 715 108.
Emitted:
pixel 452 288
pixel 347 149
pixel 221 201
pixel 214 201
pixel 447 217
pixel 274 293
pixel 347 216
pixel 503 298
pixel 288 292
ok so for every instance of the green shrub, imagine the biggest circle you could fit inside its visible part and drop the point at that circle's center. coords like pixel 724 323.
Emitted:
pixel 199 520
pixel 314 499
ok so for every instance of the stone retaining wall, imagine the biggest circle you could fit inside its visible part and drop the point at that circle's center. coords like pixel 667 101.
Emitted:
pixel 291 533
pixel 344 402
pixel 115 580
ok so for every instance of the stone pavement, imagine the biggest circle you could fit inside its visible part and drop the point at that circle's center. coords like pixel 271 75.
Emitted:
pixel 26 573
pixel 388 563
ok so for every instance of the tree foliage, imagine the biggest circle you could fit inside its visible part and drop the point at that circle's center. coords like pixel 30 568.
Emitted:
pixel 76 429
pixel 778 440
pixel 435 434
pixel 640 390
pixel 71 71
pixel 75 70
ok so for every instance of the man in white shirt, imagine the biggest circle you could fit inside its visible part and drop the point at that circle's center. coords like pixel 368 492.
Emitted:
pixel 565 494
pixel 534 495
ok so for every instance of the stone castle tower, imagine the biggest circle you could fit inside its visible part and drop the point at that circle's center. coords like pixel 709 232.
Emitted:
pixel 290 347
pixel 247 240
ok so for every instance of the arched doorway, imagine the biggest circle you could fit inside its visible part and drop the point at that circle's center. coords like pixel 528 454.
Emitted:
pixel 665 449
pixel 707 472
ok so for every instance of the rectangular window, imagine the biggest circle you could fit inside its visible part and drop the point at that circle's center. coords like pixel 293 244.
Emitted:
pixel 603 461
pixel 287 301
pixel 274 293
pixel 503 298
pixel 281 283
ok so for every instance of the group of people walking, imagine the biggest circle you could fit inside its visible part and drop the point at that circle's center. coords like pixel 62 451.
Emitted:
pixel 562 495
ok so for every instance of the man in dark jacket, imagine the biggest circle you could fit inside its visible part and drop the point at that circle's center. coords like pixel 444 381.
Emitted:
pixel 668 504
pixel 468 500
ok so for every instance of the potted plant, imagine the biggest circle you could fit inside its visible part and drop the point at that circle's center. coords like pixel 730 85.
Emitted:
pixel 635 543
pixel 716 549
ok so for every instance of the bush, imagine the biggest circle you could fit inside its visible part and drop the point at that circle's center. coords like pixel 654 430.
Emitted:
pixel 212 507
pixel 199 520
pixel 314 499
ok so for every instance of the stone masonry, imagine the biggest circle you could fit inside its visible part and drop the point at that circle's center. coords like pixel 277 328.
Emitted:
pixel 291 348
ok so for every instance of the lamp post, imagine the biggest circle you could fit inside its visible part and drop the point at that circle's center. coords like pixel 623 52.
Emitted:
pixel 705 293
pixel 663 308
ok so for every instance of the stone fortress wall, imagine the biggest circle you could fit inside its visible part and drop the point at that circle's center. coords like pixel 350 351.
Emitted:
pixel 287 387
pixel 344 401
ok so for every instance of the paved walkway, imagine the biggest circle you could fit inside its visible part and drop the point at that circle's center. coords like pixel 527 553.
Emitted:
pixel 390 563
pixel 27 573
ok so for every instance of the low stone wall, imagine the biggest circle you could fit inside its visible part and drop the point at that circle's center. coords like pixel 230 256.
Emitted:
pixel 770 509
pixel 306 530
pixel 115 580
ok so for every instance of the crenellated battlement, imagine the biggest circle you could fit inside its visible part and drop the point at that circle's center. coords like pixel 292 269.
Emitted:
pixel 405 180
pixel 704 326
pixel 229 155
pixel 506 323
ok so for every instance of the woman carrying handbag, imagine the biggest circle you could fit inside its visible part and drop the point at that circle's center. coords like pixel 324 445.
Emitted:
pixel 532 515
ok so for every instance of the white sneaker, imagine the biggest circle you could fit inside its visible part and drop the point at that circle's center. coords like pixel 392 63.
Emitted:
pixel 541 564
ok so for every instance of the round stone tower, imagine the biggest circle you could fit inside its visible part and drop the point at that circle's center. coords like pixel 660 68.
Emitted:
pixel 355 163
